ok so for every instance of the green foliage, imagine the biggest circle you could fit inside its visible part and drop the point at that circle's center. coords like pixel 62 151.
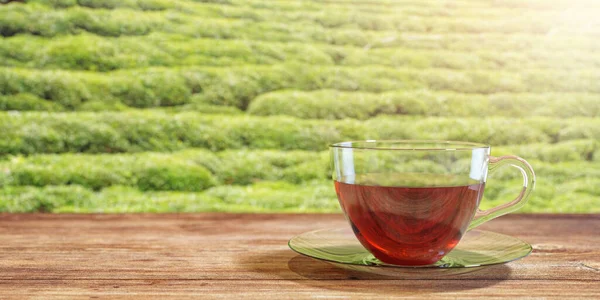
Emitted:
pixel 279 196
pixel 132 131
pixel 181 171
pixel 331 104
pixel 58 3
pixel 40 20
pixel 237 100
pixel 147 172
pixel 26 101
pixel 268 196
pixel 46 199
pixel 203 108
pixel 57 86
pixel 577 150
pixel 325 104
pixel 104 4
pixel 237 86
pixel 316 196
pixel 195 170
pixel 356 20
pixel 377 26
pixel 96 53
pixel 112 200
pixel 550 196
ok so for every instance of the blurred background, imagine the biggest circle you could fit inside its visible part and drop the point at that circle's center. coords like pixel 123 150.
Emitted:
pixel 229 105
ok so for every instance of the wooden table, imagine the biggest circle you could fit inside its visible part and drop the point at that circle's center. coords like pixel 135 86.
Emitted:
pixel 246 256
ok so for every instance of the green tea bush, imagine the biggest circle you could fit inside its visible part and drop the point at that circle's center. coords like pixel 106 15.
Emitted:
pixel 317 169
pixel 280 196
pixel 183 177
pixel 40 20
pixel 567 171
pixel 405 57
pixel 419 36
pixel 135 4
pixel 183 171
pixel 103 105
pixel 46 199
pixel 164 89
pixel 371 15
pixel 284 133
pixel 148 89
pixel 110 4
pixel 215 1
pixel 577 150
pixel 589 185
pixel 238 99
pixel 147 172
pixel 497 131
pixel 187 170
pixel 242 52
pixel 155 4
pixel 59 86
pixel 335 20
pixel 96 53
pixel 117 22
pixel 245 167
pixel 325 104
pixel 353 28
pixel 115 199
pixel 93 53
pixel 134 131
pixel 16 51
pixel 331 104
pixel 550 196
pixel 26 101
pixel 33 19
pixel 57 3
pixel 200 107
pixel 477 42
pixel 263 197
pixel 56 134
pixel 317 196
pixel 578 130
pixel 239 85
pixel 84 53
pixel 120 199
pixel 298 11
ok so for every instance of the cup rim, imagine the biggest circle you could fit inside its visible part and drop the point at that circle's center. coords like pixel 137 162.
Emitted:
pixel 444 145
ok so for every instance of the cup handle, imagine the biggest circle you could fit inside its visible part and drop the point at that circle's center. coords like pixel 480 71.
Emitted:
pixel 482 216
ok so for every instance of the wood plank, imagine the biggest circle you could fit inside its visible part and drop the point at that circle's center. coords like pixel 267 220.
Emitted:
pixel 197 252
pixel 302 289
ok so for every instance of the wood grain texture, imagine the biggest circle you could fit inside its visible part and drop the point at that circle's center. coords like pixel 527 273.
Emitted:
pixel 245 255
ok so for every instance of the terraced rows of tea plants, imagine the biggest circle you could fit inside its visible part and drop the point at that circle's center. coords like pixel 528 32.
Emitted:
pixel 229 105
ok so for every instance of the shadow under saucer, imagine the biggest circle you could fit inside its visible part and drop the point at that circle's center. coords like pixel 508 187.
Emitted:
pixel 318 274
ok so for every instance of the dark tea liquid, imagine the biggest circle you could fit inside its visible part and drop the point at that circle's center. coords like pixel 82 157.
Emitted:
pixel 409 225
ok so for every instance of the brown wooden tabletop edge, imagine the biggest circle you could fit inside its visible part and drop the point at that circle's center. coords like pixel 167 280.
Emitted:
pixel 299 279
pixel 100 216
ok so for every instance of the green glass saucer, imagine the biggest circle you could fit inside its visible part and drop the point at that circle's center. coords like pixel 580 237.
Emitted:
pixel 477 248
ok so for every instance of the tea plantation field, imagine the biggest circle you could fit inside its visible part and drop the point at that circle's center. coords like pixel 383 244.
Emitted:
pixel 229 105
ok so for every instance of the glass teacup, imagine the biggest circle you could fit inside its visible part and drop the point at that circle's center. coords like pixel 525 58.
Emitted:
pixel 410 202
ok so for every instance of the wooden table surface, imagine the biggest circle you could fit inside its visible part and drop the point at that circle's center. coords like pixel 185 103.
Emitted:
pixel 237 256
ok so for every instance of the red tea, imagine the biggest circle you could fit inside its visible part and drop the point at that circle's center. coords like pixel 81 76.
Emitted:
pixel 409 225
